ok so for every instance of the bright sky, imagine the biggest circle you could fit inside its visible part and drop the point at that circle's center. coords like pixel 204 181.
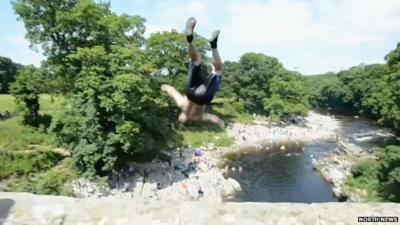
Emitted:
pixel 310 36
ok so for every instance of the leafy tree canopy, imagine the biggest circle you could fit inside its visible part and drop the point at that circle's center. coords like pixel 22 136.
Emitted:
pixel 265 86
pixel 167 51
pixel 8 73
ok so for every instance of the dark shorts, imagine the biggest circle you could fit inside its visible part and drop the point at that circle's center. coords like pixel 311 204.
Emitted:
pixel 201 89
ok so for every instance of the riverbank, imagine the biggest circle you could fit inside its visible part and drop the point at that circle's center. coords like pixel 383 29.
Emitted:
pixel 336 167
pixel 189 175
pixel 313 127
pixel 194 174
pixel 353 147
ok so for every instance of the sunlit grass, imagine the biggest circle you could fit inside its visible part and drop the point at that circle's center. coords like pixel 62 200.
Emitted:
pixel 7 103
pixel 15 136
pixel 202 135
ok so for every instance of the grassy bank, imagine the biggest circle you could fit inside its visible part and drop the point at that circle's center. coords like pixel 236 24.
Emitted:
pixel 205 134
pixel 377 179
pixel 202 135
pixel 14 136
pixel 28 161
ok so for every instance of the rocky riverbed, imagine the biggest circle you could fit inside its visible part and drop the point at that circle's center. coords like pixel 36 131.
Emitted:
pixel 190 175
pixel 337 167
pixel 193 174
pixel 313 127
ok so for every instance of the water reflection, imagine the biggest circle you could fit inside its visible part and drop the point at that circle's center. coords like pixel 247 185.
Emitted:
pixel 279 176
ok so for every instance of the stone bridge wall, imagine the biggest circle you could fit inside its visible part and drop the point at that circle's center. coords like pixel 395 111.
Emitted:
pixel 23 208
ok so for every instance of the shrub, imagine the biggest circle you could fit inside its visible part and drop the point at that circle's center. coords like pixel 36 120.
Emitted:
pixel 115 114
pixel 26 90
pixel 379 176
pixel 51 182
pixel 23 163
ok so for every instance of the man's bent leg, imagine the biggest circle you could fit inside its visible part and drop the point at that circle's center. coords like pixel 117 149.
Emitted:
pixel 207 117
pixel 193 54
pixel 217 62
pixel 192 51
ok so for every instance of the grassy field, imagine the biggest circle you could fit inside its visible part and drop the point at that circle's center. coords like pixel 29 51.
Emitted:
pixel 48 104
pixel 27 162
pixel 201 135
pixel 228 110
pixel 7 103
pixel 15 136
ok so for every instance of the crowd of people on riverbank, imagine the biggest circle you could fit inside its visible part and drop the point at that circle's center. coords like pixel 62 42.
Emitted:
pixel 193 175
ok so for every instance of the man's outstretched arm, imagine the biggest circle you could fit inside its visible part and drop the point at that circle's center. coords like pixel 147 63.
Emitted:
pixel 207 117
pixel 173 93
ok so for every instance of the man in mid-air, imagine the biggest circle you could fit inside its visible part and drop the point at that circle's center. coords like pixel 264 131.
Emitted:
pixel 200 90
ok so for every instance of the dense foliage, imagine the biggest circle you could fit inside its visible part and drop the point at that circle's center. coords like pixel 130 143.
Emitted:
pixel 114 109
pixel 380 176
pixel 325 90
pixel 265 86
pixel 26 89
pixel 53 181
pixel 371 90
pixel 167 52
pixel 61 27
pixel 115 113
pixel 8 73
pixel 21 163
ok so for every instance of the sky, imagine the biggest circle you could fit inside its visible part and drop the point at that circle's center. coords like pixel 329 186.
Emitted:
pixel 310 36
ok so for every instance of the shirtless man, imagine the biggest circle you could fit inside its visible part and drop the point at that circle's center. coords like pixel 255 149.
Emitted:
pixel 199 90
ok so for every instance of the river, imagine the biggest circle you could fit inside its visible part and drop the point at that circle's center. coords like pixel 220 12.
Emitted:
pixel 288 176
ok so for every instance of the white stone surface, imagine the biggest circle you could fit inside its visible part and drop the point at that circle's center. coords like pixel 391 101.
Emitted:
pixel 205 182
pixel 316 127
pixel 52 210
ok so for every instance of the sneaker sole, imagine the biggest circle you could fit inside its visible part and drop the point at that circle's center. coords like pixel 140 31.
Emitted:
pixel 190 26
pixel 214 35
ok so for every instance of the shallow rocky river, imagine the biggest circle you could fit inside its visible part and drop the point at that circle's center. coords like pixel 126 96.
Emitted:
pixel 272 175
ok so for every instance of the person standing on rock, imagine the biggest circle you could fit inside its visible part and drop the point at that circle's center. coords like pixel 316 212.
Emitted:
pixel 200 90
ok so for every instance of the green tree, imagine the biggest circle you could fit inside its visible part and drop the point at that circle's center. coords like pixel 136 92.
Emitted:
pixel 60 27
pixel 380 175
pixel 325 90
pixel 8 73
pixel 167 51
pixel 116 113
pixel 393 57
pixel 275 106
pixel 391 95
pixel 288 96
pixel 250 79
pixel 265 86
pixel 114 110
pixel 26 90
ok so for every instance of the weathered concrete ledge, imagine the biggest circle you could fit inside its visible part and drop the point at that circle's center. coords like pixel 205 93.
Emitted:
pixel 24 208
